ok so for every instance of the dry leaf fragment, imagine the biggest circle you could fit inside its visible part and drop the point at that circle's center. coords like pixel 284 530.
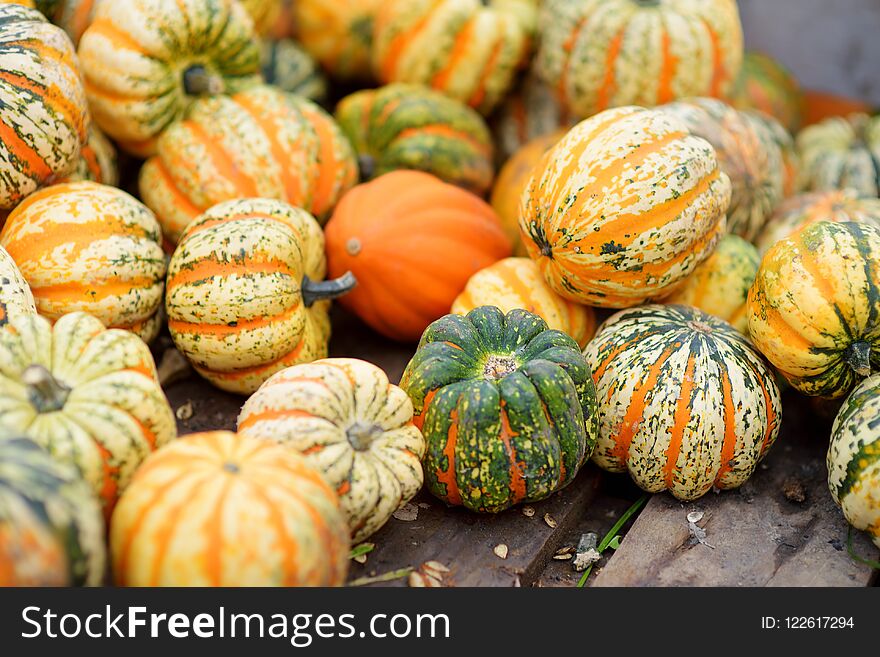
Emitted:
pixel 408 512
pixel 528 511
pixel 695 516
pixel 500 551
pixel 360 558
pixel 421 580
pixel 185 411
pixel 550 520
pixel 434 568
pixel 584 559
pixel 562 557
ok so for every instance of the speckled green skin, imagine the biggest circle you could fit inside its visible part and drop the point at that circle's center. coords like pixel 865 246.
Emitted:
pixel 515 432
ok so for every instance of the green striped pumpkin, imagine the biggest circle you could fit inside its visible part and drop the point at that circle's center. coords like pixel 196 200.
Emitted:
pixel 686 403
pixel 765 85
pixel 842 152
pixel 402 126
pixel 51 525
pixel 290 68
pixel 506 405
pixel 854 458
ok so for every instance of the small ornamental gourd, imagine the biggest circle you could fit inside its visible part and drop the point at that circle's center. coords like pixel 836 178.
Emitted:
pixel 264 13
pixel 93 248
pixel 747 153
pixel 338 34
pixel 842 152
pixel 720 286
pixel 220 509
pixel 403 126
pixel 87 394
pixel 246 292
pixel 290 68
pixel 467 49
pixel 145 61
pixel 412 241
pixel 15 294
pixel 792 175
pixel 97 160
pixel 351 425
pixel 765 85
pixel 686 403
pixel 44 114
pixel 506 405
pixel 74 16
pixel 854 458
pixel 600 54
pixel 623 208
pixel 517 283
pixel 259 143
pixel 51 525
pixel 814 310
pixel 511 182
pixel 808 208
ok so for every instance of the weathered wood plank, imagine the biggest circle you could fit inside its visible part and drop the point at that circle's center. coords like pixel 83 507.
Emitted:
pixel 780 529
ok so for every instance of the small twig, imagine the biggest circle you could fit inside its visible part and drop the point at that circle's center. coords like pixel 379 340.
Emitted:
pixel 856 557
pixel 629 513
pixel 384 577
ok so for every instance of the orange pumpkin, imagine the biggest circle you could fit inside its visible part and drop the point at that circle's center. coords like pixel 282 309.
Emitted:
pixel 819 106
pixel 412 241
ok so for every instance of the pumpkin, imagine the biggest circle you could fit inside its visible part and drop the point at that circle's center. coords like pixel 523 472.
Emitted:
pixel 820 105
pixel 511 182
pixel 412 241
pixel 814 310
pixel 764 84
pixel 290 68
pixel 353 426
pixel 854 458
pixel 720 286
pixel 402 126
pixel 468 49
pixel 747 153
pixel 792 179
pixel 90 247
pixel 808 208
pixel 87 394
pixel 842 152
pixel 219 509
pixel 259 143
pixel 600 54
pixel 686 403
pixel 246 296
pixel 531 111
pixel 507 407
pixel 15 295
pixel 51 525
pixel 338 34
pixel 263 12
pixel 517 283
pixel 44 116
pixel 623 208
pixel 97 161
pixel 74 16
pixel 145 61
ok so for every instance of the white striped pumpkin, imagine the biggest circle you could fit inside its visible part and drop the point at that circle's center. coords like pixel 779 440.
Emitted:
pixel 353 426
pixel 685 402
pixel 92 248
pixel 854 458
pixel 245 293
pixel 43 114
pixel 842 152
pixel 87 394
pixel 15 294
pixel 97 160
pixel 623 207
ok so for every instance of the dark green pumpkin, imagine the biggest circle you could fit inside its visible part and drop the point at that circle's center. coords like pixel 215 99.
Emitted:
pixel 287 66
pixel 403 126
pixel 51 523
pixel 507 406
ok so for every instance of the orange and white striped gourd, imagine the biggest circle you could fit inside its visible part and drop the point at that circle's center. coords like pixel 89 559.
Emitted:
pixel 842 152
pixel 350 424
pixel 97 160
pixel 74 16
pixel 15 294
pixel 220 509
pixel 264 13
pixel 517 283
pixel 624 207
pixel 246 296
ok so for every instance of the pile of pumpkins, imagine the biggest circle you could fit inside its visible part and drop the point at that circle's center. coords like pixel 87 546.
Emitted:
pixel 645 167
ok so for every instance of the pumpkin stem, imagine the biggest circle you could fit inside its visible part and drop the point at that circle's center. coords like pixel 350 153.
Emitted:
pixel 367 166
pixel 858 357
pixel 313 291
pixel 45 392
pixel 361 435
pixel 199 81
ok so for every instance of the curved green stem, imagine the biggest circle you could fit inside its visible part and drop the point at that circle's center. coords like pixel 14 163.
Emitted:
pixel 45 392
pixel 858 357
pixel 199 81
pixel 313 291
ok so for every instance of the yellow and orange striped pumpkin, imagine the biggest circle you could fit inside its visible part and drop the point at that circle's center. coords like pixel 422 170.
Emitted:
pixel 145 61
pixel 246 296
pixel 15 294
pixel 517 283
pixel 43 113
pixel 607 53
pixel 259 143
pixel 468 49
pixel 624 207
pixel 97 160
pixel 792 175
pixel 90 247
pixel 338 34
pixel 74 16
pixel 264 13
pixel 220 509
pixel 765 85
